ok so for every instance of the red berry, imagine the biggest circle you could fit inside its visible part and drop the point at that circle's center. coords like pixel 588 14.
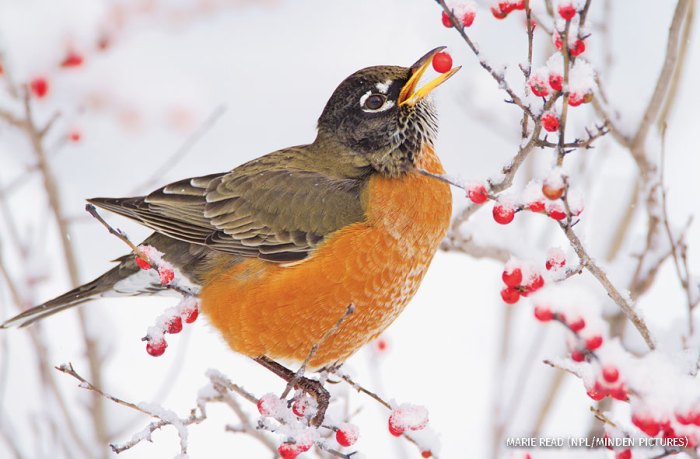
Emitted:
pixel 381 345
pixel 394 429
pixel 141 263
pixel 503 214
pixel 646 424
pixel 578 325
pixel 557 214
pixel 442 62
pixel 289 451
pixel 594 342
pixel 346 435
pixel 446 21
pixel 72 59
pixel 512 278
pixel 556 38
pixel 2 69
pixel 506 6
pixel 174 325
pixel 478 194
pixel 555 81
pixel 624 454
pixel 554 263
pixel 575 99
pixel 619 392
pixel 426 454
pixel 190 314
pixel 579 48
pixel 156 347
pixel 686 418
pixel 520 5
pixel 74 135
pixel 550 122
pixel 578 356
pixel 610 374
pixel 543 313
pixel 166 275
pixel 552 192
pixel 567 11
pixel 536 283
pixel 538 86
pixel 537 206
pixel 510 295
pixel 597 392
pixel 498 13
pixel 267 404
pixel 468 20
pixel 39 86
pixel 299 407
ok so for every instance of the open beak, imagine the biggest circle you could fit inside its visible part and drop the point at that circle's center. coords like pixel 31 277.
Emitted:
pixel 409 94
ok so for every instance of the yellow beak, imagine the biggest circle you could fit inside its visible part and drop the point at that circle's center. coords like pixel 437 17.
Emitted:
pixel 408 94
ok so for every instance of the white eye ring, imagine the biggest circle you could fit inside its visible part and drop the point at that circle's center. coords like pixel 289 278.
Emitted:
pixel 386 105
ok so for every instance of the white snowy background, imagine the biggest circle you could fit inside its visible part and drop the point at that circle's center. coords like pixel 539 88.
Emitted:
pixel 272 65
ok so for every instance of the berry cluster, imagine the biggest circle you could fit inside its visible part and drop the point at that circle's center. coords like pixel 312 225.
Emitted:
pixel 548 200
pixel 464 13
pixel 171 321
pixel 504 7
pixel 520 280
pixel 293 422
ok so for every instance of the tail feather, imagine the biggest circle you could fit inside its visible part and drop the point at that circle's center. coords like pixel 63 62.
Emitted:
pixel 78 295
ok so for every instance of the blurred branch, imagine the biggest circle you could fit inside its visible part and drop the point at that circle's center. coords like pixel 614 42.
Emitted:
pixel 664 80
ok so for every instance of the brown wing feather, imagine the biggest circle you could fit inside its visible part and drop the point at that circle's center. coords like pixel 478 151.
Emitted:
pixel 273 207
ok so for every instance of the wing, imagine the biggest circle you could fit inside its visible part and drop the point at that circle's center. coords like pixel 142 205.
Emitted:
pixel 268 208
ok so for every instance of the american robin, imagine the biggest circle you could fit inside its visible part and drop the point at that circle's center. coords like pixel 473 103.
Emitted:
pixel 279 247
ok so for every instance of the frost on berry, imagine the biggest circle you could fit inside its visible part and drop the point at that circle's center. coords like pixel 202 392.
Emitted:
pixel 347 434
pixel 155 346
pixel 292 450
pixel 188 309
pixel 174 325
pixel 465 12
pixel 539 82
pixel 567 11
pixel 407 417
pixel 503 213
pixel 166 274
pixel 553 186
pixel 556 259
pixel 477 193
pixel 581 83
pixel 270 405
pixel 578 48
pixel 550 122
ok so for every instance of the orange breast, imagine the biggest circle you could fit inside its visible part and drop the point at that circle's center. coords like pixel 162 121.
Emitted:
pixel 263 308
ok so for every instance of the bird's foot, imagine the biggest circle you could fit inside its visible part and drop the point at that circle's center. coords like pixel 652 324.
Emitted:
pixel 310 386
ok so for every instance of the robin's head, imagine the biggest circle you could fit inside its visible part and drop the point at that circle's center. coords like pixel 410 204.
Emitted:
pixel 380 113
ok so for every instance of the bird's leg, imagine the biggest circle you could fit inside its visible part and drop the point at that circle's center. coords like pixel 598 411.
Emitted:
pixel 310 386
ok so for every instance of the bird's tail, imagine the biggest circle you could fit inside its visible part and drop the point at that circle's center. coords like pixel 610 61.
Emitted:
pixel 96 288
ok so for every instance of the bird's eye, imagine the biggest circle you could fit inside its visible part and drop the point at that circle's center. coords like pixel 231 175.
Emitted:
pixel 374 102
